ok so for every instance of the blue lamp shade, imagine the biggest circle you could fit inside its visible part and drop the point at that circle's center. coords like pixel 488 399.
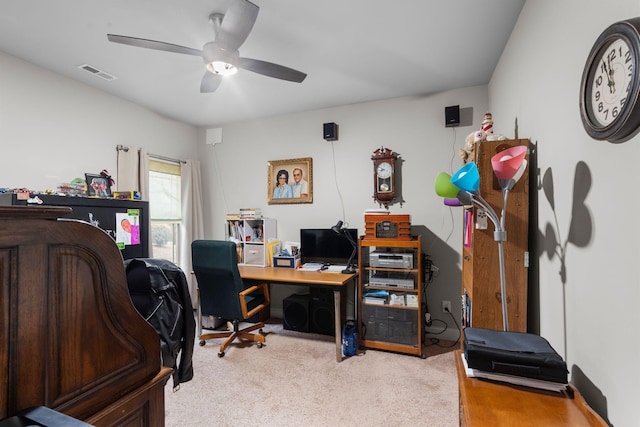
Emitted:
pixel 467 177
pixel 444 187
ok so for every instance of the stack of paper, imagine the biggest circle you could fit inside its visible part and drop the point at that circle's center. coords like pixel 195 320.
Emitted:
pixel 512 379
pixel 312 266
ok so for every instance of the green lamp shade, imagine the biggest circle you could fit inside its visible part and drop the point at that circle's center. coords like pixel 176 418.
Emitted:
pixel 444 187
pixel 467 177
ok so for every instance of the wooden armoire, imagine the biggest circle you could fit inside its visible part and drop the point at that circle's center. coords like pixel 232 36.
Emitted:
pixel 70 337
pixel 482 297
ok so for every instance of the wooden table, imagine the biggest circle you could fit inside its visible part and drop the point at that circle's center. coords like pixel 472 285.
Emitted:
pixel 336 281
pixel 488 403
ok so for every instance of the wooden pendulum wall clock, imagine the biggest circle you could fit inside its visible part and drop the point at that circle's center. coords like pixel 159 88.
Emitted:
pixel 384 182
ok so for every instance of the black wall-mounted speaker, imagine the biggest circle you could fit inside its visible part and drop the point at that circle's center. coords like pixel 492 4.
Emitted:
pixel 295 313
pixel 322 311
pixel 330 131
pixel 452 115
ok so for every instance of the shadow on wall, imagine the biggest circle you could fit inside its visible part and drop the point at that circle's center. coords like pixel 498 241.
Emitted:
pixel 446 282
pixel 592 394
pixel 580 229
pixel 533 279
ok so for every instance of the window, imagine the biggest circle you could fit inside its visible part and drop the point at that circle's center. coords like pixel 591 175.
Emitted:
pixel 166 209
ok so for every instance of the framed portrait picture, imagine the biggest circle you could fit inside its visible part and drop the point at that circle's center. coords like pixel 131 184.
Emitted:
pixel 97 185
pixel 290 181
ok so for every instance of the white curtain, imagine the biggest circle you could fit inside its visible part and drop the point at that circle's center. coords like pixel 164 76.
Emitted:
pixel 192 218
pixel 127 173
pixel 143 174
pixel 143 183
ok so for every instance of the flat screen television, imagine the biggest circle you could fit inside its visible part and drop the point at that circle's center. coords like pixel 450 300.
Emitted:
pixel 325 245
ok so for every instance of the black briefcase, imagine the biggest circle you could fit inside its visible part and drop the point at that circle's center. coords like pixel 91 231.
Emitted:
pixel 513 353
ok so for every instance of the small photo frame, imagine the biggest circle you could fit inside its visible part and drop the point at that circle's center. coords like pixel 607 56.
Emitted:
pixel 290 181
pixel 97 185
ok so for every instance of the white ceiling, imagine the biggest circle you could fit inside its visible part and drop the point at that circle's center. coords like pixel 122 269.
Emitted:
pixel 352 50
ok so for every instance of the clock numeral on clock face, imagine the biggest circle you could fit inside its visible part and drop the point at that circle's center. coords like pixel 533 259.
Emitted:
pixel 610 87
pixel 611 82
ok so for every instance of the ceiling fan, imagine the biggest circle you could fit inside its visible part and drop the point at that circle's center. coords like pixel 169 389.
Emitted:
pixel 221 56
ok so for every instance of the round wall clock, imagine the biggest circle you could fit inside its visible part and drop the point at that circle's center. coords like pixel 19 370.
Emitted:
pixel 384 182
pixel 610 84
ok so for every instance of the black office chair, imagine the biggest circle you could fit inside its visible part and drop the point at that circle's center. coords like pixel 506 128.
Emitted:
pixel 222 292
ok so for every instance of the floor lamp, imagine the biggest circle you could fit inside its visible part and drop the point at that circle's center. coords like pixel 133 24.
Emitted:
pixel 509 166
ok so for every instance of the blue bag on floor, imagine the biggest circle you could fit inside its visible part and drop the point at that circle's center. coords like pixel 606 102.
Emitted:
pixel 349 339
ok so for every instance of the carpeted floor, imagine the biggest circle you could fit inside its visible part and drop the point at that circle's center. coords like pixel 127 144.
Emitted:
pixel 294 380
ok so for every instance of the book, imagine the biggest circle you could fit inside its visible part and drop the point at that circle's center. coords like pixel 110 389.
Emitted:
pixel 412 300
pixel 273 249
pixel 250 213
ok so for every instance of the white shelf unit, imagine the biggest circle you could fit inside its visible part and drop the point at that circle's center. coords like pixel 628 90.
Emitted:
pixel 252 236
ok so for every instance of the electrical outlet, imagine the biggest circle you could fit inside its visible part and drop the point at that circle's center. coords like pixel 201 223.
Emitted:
pixel 446 306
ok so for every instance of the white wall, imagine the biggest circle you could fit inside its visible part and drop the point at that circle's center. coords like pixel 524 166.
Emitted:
pixel 411 126
pixel 53 129
pixel 591 316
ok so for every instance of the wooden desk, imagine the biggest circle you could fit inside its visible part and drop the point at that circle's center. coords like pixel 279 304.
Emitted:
pixel 337 281
pixel 487 403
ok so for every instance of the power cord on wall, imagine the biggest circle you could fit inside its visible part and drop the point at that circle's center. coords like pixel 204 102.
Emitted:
pixel 453 156
pixel 436 341
pixel 430 270
pixel 335 179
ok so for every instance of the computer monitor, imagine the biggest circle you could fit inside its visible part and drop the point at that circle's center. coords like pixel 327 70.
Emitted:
pixel 325 245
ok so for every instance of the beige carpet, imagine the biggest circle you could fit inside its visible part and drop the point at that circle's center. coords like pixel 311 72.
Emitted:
pixel 294 380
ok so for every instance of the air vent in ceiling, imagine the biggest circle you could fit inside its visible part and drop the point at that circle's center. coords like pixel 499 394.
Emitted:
pixel 93 70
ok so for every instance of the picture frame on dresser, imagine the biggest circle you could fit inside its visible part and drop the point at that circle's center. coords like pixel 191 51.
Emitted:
pixel 97 185
pixel 290 181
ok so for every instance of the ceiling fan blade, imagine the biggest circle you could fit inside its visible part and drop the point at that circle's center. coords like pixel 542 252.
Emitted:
pixel 271 70
pixel 237 24
pixel 210 82
pixel 153 44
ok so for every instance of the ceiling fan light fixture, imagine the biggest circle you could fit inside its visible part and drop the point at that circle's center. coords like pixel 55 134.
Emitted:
pixel 222 68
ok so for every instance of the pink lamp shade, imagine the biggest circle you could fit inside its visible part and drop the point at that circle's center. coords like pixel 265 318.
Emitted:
pixel 520 171
pixel 506 163
pixel 444 187
pixel 467 177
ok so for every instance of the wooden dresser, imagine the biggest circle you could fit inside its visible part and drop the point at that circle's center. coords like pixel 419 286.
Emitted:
pixel 70 338
pixel 486 403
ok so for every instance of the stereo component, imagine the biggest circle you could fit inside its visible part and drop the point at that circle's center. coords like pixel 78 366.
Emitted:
pixel 322 311
pixel 391 260
pixel 391 282
pixel 295 313
pixel 387 226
